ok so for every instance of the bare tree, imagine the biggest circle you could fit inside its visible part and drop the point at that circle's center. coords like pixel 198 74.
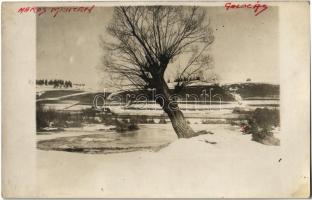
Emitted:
pixel 146 40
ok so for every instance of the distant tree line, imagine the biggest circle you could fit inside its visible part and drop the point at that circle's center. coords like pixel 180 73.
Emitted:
pixel 56 83
pixel 186 79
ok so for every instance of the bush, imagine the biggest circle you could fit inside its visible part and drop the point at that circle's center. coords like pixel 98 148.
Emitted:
pixel 266 118
pixel 41 117
pixel 125 120
pixel 238 110
pixel 151 121
pixel 138 119
pixel 56 119
pixel 162 121
pixel 123 127
pixel 260 124
pixel 89 112
pixel 52 118
pixel 108 119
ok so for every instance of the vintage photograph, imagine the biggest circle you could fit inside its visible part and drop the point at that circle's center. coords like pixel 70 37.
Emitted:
pixel 157 80
pixel 139 78
pixel 138 100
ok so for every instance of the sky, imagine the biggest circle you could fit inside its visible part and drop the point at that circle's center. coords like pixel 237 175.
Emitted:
pixel 245 46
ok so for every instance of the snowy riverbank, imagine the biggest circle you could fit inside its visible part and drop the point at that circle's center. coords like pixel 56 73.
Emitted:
pixel 233 167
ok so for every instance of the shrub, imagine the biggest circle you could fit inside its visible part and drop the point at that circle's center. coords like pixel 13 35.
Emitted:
pixel 108 119
pixel 89 112
pixel 162 121
pixel 151 121
pixel 139 119
pixel 125 120
pixel 238 110
pixel 266 118
pixel 53 118
pixel 260 124
pixel 123 127
pixel 40 117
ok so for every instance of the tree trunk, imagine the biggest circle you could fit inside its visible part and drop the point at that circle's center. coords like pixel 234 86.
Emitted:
pixel 180 125
pixel 170 106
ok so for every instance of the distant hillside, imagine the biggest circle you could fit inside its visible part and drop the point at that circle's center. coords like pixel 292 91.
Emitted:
pixel 56 93
pixel 190 93
pixel 60 95
pixel 225 91
pixel 254 90
pixel 86 99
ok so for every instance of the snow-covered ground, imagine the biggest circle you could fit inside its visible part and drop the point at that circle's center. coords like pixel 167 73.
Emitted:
pixel 223 164
pixel 233 167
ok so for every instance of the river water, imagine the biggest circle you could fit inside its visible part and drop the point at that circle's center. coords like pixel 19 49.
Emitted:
pixel 95 138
